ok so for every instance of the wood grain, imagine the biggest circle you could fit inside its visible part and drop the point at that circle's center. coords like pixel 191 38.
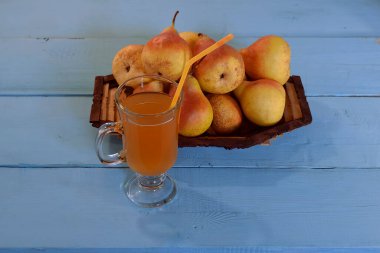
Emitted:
pixel 344 133
pixel 89 19
pixel 328 66
pixel 226 207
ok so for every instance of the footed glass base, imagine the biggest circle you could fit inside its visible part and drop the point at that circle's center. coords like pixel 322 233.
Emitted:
pixel 150 191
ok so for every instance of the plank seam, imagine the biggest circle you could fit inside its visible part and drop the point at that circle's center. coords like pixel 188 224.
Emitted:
pixel 100 166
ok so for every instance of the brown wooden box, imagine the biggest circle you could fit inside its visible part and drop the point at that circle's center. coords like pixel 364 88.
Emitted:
pixel 297 114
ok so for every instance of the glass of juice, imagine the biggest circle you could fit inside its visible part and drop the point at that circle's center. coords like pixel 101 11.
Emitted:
pixel 149 131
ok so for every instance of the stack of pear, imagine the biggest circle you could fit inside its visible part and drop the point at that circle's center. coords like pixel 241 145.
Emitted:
pixel 217 74
pixel 267 64
pixel 216 95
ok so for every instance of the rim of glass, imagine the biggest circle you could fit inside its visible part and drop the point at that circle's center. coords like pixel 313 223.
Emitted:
pixel 157 77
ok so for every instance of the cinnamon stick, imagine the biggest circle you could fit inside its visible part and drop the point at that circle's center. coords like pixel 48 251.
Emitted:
pixel 111 105
pixel 103 108
pixel 288 115
pixel 295 105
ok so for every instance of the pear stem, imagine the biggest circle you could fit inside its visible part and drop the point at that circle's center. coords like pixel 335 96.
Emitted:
pixel 190 62
pixel 175 16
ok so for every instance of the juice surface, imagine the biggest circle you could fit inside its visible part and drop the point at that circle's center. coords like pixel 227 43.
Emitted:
pixel 150 141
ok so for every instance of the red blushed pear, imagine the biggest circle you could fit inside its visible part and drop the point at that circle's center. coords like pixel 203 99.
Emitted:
pixel 196 111
pixel 268 58
pixel 201 43
pixel 166 54
pixel 220 71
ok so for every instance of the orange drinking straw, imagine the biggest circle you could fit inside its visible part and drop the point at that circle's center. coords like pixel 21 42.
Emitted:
pixel 194 59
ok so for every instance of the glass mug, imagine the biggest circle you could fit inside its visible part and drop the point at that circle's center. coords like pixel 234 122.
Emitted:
pixel 149 131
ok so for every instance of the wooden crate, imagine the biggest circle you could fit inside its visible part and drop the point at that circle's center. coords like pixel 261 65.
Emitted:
pixel 297 114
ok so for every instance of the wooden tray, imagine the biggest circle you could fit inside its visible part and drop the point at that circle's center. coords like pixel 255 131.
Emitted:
pixel 297 114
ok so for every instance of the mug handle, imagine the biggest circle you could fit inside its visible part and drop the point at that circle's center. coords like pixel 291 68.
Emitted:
pixel 104 130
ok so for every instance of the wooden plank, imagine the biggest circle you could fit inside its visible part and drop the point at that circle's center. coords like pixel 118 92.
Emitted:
pixel 328 66
pixel 55 131
pixel 44 18
pixel 230 207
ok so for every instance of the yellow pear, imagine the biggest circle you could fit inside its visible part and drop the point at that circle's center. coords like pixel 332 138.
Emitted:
pixel 127 64
pixel 262 101
pixel 196 111
pixel 227 114
pixel 190 37
pixel 239 90
pixel 220 71
pixel 268 58
pixel 166 53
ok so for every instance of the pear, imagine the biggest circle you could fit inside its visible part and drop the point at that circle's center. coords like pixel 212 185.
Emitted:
pixel 239 90
pixel 196 111
pixel 127 64
pixel 262 101
pixel 191 37
pixel 166 53
pixel 268 58
pixel 220 71
pixel 227 114
pixel 201 43
pixel 153 86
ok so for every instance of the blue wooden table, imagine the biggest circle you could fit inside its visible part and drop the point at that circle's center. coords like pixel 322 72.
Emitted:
pixel 316 189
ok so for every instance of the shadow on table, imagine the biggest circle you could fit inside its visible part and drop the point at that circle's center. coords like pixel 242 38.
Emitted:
pixel 215 207
pixel 195 218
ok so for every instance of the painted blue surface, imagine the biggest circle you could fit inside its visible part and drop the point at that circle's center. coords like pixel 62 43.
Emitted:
pixel 313 190
pixel 328 66
pixel 118 18
pixel 198 250
pixel 215 207
pixel 344 133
